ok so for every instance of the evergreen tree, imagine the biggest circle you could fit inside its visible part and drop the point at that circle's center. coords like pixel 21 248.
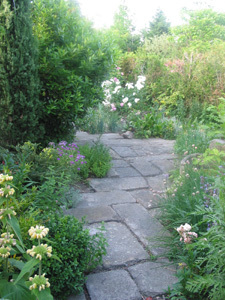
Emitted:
pixel 158 26
pixel 19 86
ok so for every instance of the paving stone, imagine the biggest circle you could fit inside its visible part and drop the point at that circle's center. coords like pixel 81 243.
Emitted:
pixel 124 151
pixel 77 297
pixel 127 172
pixel 153 278
pixel 105 198
pixel 112 173
pixel 93 214
pixel 114 155
pixel 119 163
pixel 165 165
pixel 146 198
pixel 123 248
pixel 110 184
pixel 157 183
pixel 112 285
pixel 145 167
pixel 146 227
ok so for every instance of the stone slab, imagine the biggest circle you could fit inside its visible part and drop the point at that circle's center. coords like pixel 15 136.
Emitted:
pixel 153 278
pixel 93 214
pixel 127 172
pixel 77 297
pixel 119 163
pixel 105 198
pixel 146 227
pixel 124 151
pixel 145 167
pixel 110 184
pixel 165 165
pixel 157 183
pixel 146 198
pixel 123 248
pixel 112 285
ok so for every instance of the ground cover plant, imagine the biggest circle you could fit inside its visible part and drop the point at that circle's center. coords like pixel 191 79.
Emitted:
pixel 40 189
pixel 193 212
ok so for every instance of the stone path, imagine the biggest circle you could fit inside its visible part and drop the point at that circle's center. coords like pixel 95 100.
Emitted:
pixel 126 200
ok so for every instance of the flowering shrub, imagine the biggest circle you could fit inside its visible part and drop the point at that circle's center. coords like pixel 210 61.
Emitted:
pixel 123 96
pixel 10 247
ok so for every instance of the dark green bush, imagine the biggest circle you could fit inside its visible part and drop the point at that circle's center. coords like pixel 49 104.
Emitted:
pixel 78 251
pixel 98 159
pixel 19 84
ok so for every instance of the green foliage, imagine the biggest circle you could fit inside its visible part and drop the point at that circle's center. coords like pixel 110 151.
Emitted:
pixel 150 124
pixel 191 140
pixel 158 26
pixel 73 59
pixel 203 28
pixel 78 251
pixel 98 159
pixel 100 120
pixel 20 108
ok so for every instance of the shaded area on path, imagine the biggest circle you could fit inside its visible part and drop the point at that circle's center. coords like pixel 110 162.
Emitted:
pixel 126 200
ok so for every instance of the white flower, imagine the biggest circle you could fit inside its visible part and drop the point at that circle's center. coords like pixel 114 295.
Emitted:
pixel 116 89
pixel 125 100
pixel 129 104
pixel 38 232
pixel 129 85
pixel 136 100
pixel 139 86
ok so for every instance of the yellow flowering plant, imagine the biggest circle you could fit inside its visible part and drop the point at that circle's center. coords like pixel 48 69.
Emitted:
pixel 12 285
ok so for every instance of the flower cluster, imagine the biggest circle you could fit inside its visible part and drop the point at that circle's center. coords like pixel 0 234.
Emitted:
pixel 4 178
pixel 38 232
pixel 118 95
pixel 39 282
pixel 186 235
pixel 69 153
pixel 40 250
pixel 6 243
pixel 7 212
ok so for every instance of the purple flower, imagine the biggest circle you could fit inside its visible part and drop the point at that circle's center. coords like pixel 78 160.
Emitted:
pixel 58 158
pixel 78 169
pixel 71 155
pixel 72 162
pixel 82 162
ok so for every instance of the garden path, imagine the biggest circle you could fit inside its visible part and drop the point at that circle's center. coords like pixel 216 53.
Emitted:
pixel 126 200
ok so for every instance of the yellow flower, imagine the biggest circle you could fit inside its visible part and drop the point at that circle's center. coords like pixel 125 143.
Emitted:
pixel 39 282
pixel 39 251
pixel 38 232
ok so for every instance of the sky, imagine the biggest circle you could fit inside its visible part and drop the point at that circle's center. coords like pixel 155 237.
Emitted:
pixel 101 12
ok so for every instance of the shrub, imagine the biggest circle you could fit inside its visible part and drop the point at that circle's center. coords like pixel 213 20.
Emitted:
pixel 19 85
pixel 98 160
pixel 191 140
pixel 78 251
pixel 150 124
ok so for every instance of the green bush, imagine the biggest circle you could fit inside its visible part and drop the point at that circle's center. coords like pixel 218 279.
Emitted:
pixel 98 159
pixel 78 251
pixel 150 124
pixel 191 140
pixel 73 61
pixel 20 108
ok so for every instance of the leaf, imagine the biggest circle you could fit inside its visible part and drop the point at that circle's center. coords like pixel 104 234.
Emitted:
pixel 12 291
pixel 27 267
pixel 16 227
pixel 16 263
pixel 56 257
pixel 43 295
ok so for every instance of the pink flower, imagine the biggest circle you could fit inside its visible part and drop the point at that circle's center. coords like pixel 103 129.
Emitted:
pixel 121 104
pixel 122 73
pixel 115 79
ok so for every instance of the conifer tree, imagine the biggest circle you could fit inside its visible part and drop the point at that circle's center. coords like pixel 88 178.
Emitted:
pixel 19 85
